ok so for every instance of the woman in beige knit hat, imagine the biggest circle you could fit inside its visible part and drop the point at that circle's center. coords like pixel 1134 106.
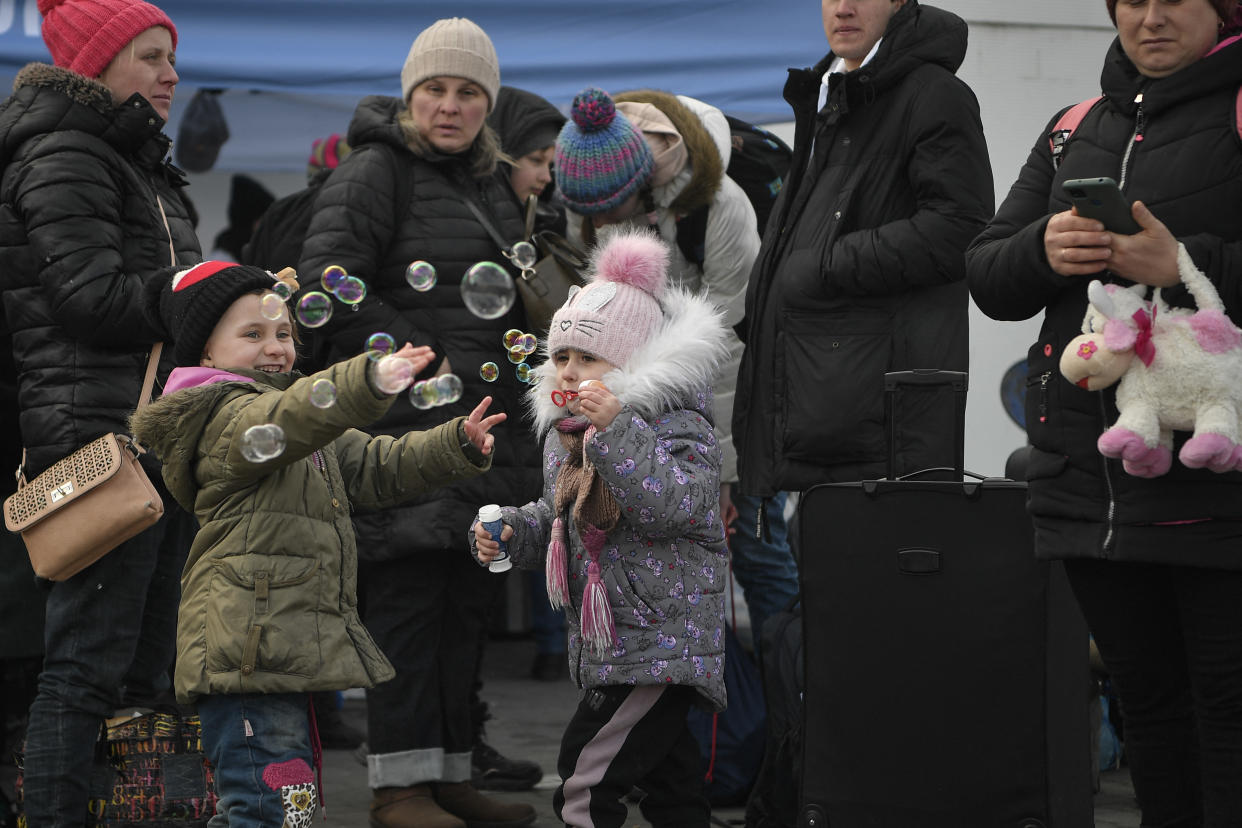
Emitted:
pixel 401 196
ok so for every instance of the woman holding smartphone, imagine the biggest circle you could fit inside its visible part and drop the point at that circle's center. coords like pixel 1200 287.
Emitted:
pixel 1156 563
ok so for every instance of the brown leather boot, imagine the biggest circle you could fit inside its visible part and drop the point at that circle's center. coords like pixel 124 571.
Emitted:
pixel 461 800
pixel 412 807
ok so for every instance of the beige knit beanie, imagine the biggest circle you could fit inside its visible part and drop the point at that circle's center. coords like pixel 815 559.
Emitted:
pixel 667 147
pixel 456 47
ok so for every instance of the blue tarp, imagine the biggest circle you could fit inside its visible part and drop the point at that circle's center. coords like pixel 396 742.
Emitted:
pixel 295 68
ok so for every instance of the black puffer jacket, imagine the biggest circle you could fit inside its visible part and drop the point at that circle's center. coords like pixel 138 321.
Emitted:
pixel 80 233
pixel 1188 170
pixel 353 226
pixel 861 268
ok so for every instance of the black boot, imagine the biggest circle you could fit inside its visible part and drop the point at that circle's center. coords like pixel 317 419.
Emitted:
pixel 491 771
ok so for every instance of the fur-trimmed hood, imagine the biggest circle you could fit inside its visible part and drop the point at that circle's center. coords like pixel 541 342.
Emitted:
pixel 672 370
pixel 49 98
pixel 707 146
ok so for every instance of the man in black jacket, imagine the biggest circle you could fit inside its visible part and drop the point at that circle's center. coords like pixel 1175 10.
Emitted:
pixel 861 270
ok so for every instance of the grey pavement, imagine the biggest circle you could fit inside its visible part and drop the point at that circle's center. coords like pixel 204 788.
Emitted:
pixel 528 717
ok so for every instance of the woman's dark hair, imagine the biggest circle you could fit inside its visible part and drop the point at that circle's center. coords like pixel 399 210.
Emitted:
pixel 1229 11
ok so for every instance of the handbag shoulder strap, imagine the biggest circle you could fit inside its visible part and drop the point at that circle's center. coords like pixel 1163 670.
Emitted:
pixel 153 361
pixel 532 208
pixel 487 224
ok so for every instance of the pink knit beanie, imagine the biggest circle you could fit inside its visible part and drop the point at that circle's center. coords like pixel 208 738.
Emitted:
pixel 85 35
pixel 619 308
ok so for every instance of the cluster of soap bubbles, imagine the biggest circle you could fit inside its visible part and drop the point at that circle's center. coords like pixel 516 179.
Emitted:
pixel 315 307
pixel 261 443
pixel 441 390
pixel 272 303
pixel 518 346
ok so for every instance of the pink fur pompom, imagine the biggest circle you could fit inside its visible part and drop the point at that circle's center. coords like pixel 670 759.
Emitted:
pixel 633 257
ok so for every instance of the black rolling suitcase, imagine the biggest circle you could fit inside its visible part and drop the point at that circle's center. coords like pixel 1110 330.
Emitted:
pixel 946 668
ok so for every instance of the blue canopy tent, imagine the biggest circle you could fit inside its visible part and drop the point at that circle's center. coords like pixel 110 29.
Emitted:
pixel 294 69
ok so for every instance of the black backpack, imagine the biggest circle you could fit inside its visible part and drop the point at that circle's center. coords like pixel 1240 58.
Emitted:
pixel 758 164
pixel 731 742
pixel 773 801
pixel 279 234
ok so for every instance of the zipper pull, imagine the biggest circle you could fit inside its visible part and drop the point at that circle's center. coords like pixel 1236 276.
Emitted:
pixel 759 521
pixel 1043 395
pixel 1138 118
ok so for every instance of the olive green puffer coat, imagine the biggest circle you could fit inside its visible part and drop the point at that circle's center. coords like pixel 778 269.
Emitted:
pixel 269 591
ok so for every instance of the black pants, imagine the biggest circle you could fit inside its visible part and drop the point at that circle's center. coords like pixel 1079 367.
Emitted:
pixel 622 737
pixel 427 612
pixel 1171 638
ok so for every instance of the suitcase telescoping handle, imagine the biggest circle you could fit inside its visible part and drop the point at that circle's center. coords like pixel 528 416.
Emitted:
pixel 927 377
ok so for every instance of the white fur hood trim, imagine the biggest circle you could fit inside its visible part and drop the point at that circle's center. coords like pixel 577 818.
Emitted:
pixel 666 373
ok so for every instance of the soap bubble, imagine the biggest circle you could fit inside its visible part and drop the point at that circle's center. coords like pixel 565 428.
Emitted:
pixel 282 290
pixel 489 371
pixel 392 374
pixel 271 306
pixel 511 337
pixel 314 309
pixel 523 372
pixel 488 290
pixel 524 254
pixel 261 443
pixel 423 394
pixel 527 343
pixel 351 290
pixel 380 345
pixel 323 393
pixel 516 355
pixel 332 277
pixel 448 389
pixel 421 275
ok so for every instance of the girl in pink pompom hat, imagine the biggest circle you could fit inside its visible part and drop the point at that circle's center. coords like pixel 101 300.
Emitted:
pixel 628 530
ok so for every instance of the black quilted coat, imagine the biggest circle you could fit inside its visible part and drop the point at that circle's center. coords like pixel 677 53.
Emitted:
pixel 80 233
pixel 1187 168
pixel 861 268
pixel 357 225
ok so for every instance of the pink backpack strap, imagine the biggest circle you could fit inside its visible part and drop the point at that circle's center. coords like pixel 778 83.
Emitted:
pixel 1237 113
pixel 1065 126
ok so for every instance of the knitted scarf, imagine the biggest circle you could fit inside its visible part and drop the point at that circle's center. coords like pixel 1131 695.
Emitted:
pixel 595 512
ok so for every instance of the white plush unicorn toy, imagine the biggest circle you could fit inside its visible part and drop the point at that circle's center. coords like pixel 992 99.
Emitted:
pixel 1180 370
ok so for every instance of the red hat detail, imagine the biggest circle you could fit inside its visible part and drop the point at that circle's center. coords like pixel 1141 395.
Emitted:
pixel 85 35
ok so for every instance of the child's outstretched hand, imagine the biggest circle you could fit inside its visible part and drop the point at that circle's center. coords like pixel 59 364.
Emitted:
pixel 599 404
pixel 478 427
pixel 393 373
pixel 487 547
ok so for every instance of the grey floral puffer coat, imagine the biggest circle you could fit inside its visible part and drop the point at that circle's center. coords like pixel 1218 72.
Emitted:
pixel 665 564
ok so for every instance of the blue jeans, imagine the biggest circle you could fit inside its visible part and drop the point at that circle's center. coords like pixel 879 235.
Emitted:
pixel 110 639
pixel 764 567
pixel 260 748
pixel 547 624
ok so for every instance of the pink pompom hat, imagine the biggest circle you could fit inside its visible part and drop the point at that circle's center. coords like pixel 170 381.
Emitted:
pixel 619 308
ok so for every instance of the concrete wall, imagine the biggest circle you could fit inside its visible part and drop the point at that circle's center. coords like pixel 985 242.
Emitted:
pixel 1025 62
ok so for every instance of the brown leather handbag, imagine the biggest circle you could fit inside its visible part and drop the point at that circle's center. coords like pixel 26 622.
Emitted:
pixel 544 285
pixel 87 504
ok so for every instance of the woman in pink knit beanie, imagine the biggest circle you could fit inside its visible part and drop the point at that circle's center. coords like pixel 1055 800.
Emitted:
pixel 96 212
pixel 88 36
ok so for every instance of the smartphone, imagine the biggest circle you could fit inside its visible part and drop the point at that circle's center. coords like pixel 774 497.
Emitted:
pixel 1101 199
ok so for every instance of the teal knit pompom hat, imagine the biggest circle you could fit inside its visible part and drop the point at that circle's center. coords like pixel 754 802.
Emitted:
pixel 601 158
